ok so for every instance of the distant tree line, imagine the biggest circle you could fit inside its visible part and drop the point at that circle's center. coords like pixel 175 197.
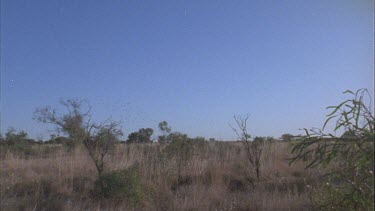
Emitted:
pixel 142 136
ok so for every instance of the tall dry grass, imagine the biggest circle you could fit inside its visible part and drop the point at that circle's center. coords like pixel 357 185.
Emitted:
pixel 217 177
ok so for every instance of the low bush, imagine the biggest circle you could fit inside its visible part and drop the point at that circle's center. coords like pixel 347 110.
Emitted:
pixel 120 185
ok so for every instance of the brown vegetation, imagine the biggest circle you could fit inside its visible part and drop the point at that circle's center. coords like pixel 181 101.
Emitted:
pixel 215 177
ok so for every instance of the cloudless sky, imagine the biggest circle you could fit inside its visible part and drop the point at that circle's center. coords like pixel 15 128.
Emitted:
pixel 191 63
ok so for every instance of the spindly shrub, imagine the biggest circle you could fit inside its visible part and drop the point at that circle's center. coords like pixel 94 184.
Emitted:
pixel 253 149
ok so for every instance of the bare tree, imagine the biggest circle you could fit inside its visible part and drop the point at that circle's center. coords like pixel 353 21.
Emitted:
pixel 98 139
pixel 253 150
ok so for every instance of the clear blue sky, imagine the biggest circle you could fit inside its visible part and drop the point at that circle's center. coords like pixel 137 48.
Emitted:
pixel 191 63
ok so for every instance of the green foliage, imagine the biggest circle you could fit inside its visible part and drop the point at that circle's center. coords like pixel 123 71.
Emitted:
pixel 287 137
pixel 142 136
pixel 163 139
pixel 59 140
pixel 351 186
pixel 17 142
pixel 164 127
pixel 132 138
pixel 180 149
pixel 71 123
pixel 180 146
pixel 165 130
pixel 121 185
pixel 259 140
pixel 12 138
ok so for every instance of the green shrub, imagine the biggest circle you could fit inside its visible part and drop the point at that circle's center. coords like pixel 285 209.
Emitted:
pixel 121 185
pixel 19 148
pixel 16 142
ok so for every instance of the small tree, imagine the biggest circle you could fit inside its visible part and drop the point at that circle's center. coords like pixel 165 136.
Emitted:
pixel 101 139
pixel 253 150
pixel 142 136
pixel 165 130
pixel 181 149
pixel 132 138
pixel 71 123
pixel 13 138
pixel 351 186
pixel 98 139
pixel 17 141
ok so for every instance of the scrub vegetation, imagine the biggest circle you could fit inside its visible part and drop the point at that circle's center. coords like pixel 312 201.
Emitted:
pixel 92 166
